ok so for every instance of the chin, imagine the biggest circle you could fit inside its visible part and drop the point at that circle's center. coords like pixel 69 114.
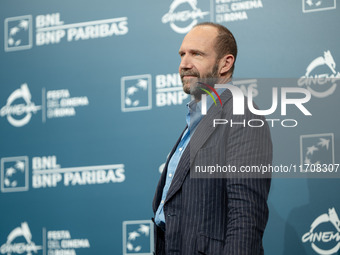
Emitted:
pixel 186 88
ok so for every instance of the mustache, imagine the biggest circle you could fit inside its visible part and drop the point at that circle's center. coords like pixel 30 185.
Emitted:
pixel 189 72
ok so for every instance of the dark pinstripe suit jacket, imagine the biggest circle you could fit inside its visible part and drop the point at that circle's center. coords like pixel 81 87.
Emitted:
pixel 221 215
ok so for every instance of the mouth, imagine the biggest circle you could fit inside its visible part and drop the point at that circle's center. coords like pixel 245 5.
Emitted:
pixel 188 76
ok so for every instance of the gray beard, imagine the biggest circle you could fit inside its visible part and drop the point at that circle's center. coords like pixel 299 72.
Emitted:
pixel 210 79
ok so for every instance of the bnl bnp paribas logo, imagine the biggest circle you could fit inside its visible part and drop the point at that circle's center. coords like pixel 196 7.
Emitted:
pixel 47 173
pixel 20 241
pixel 138 237
pixel 137 93
pixel 50 29
pixel 18 33
pixel 14 174
pixel 317 149
pixel 324 233
pixel 318 5
pixel 321 77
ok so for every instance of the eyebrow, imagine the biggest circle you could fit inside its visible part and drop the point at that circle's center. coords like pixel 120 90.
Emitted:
pixel 192 51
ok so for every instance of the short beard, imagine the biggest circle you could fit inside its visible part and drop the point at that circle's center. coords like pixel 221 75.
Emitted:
pixel 210 79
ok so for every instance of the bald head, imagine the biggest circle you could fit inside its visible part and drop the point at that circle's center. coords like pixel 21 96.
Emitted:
pixel 225 42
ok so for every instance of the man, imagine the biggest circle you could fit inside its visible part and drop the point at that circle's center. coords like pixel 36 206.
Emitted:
pixel 212 215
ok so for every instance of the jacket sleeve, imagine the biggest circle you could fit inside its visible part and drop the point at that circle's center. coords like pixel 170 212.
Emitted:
pixel 247 214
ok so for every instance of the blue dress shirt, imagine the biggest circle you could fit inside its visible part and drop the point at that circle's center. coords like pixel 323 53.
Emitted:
pixel 193 117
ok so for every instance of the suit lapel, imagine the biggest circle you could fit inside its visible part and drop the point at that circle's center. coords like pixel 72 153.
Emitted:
pixel 201 135
pixel 161 183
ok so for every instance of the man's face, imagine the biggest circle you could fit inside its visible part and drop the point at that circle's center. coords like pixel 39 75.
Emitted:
pixel 198 56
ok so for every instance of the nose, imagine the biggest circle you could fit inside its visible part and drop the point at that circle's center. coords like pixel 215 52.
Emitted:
pixel 186 63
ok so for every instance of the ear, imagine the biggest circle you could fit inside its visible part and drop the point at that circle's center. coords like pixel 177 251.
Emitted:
pixel 225 64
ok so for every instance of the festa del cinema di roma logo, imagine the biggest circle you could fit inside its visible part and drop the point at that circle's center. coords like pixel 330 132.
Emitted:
pixel 187 18
pixel 14 246
pixel 19 108
pixel 328 238
pixel 321 77
pixel 19 104
pixel 55 242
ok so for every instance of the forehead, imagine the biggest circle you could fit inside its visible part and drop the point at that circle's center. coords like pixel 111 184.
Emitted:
pixel 200 38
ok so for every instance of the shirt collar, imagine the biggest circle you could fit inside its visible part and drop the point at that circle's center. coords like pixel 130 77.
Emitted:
pixel 194 115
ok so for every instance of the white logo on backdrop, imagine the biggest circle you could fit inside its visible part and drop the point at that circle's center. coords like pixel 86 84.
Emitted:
pixel 235 10
pixel 318 5
pixel 315 238
pixel 317 149
pixel 50 29
pixel 55 104
pixel 60 103
pixel 169 90
pixel 314 80
pixel 61 242
pixel 11 247
pixel 22 110
pixel 14 174
pixel 47 173
pixel 174 17
pixel 18 33
pixel 136 93
pixel 138 237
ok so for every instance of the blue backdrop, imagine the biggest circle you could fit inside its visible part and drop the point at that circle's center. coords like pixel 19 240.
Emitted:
pixel 91 104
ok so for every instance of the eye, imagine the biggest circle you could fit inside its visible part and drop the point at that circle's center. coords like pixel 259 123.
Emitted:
pixel 197 54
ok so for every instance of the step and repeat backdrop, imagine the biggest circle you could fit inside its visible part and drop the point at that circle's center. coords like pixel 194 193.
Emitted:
pixel 91 104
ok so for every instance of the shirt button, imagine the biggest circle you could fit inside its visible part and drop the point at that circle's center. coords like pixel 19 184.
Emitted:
pixel 170 175
pixel 180 149
pixel 162 202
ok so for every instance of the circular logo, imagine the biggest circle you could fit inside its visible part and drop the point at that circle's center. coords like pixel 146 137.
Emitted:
pixel 321 84
pixel 174 17
pixel 26 109
pixel 326 237
pixel 11 247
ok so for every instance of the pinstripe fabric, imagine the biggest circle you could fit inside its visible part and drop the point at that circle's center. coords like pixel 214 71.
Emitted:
pixel 217 216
